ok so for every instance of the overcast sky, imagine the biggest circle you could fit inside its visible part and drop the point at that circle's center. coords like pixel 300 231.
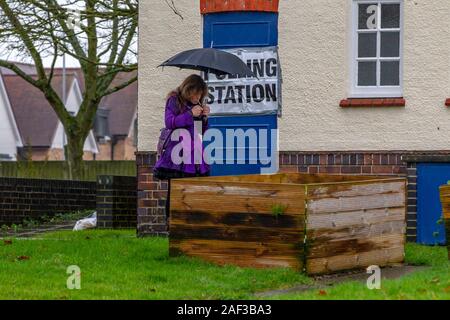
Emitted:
pixel 70 62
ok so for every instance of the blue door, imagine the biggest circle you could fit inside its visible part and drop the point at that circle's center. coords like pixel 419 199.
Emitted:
pixel 430 229
pixel 247 159
pixel 240 29
pixel 229 30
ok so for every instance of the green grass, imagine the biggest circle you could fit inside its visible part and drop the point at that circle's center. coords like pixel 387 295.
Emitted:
pixel 427 284
pixel 117 265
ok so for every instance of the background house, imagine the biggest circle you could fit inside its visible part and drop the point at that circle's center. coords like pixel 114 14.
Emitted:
pixel 31 129
pixel 116 123
pixel 364 87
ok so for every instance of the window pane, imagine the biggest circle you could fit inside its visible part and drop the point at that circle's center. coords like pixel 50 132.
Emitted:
pixel 367 45
pixel 390 73
pixel 390 44
pixel 367 16
pixel 390 16
pixel 367 73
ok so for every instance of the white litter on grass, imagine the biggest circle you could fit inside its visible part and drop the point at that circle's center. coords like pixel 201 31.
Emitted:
pixel 86 223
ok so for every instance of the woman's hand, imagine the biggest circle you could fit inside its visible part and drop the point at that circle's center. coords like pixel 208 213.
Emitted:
pixel 206 110
pixel 197 111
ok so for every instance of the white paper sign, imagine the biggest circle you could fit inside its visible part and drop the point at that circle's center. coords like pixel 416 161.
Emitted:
pixel 232 95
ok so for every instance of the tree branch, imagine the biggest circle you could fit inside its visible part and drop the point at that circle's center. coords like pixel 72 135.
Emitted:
pixel 120 86
pixel 11 66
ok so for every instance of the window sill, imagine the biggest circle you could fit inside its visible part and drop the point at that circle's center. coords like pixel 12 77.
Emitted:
pixel 373 102
pixel 447 102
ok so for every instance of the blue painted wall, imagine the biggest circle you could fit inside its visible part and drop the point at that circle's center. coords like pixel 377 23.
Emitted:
pixel 429 210
pixel 245 123
pixel 237 30
pixel 240 29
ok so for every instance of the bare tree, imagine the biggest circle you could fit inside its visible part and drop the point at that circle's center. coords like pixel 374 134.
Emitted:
pixel 100 34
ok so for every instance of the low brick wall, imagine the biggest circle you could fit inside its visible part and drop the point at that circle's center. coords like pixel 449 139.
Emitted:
pixel 33 198
pixel 116 202
pixel 114 198
pixel 151 211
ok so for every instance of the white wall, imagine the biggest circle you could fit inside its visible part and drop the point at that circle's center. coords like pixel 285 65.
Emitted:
pixel 314 40
pixel 73 102
pixel 9 136
pixel 162 34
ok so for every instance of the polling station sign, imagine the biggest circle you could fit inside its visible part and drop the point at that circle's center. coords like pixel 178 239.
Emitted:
pixel 228 95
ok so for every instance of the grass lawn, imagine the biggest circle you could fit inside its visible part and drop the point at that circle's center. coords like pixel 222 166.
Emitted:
pixel 117 265
pixel 429 284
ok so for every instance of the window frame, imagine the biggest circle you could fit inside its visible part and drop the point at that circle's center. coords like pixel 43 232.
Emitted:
pixel 374 91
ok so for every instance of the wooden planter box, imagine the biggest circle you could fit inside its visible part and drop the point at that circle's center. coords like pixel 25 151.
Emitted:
pixel 313 223
pixel 445 201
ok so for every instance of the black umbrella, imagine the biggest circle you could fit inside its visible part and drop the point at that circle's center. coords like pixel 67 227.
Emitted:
pixel 210 60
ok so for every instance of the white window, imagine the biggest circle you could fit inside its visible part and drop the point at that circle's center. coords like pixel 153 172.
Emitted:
pixel 376 59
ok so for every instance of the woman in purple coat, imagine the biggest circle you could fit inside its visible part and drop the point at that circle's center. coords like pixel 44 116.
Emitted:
pixel 185 116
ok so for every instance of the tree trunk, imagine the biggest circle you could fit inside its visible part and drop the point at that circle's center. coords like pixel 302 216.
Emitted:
pixel 75 157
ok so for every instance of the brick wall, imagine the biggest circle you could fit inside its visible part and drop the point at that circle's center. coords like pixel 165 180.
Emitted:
pixel 116 202
pixel 213 6
pixel 151 213
pixel 151 194
pixel 114 198
pixel 32 198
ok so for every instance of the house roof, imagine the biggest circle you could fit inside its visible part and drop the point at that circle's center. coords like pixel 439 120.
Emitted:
pixel 31 109
pixel 122 105
pixel 25 67
pixel 30 106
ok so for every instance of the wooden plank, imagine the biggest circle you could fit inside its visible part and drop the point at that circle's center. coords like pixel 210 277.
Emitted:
pixel 328 249
pixel 381 258
pixel 305 178
pixel 238 197
pixel 263 220
pixel 364 231
pixel 446 210
pixel 260 178
pixel 244 254
pixel 346 204
pixel 292 178
pixel 444 191
pixel 357 217
pixel 351 197
pixel 354 189
pixel 447 233
pixel 235 233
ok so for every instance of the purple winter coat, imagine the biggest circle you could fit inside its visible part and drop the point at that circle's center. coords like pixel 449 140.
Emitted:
pixel 175 119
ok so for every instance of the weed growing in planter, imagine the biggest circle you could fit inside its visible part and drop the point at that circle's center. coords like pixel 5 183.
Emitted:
pixel 278 209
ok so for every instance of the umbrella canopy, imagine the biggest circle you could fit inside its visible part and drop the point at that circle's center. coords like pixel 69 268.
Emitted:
pixel 210 60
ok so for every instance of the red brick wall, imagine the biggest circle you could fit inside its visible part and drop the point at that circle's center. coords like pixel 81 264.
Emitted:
pixel 152 194
pixel 343 163
pixel 212 6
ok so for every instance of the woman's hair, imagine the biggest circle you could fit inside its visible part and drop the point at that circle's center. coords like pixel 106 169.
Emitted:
pixel 191 85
